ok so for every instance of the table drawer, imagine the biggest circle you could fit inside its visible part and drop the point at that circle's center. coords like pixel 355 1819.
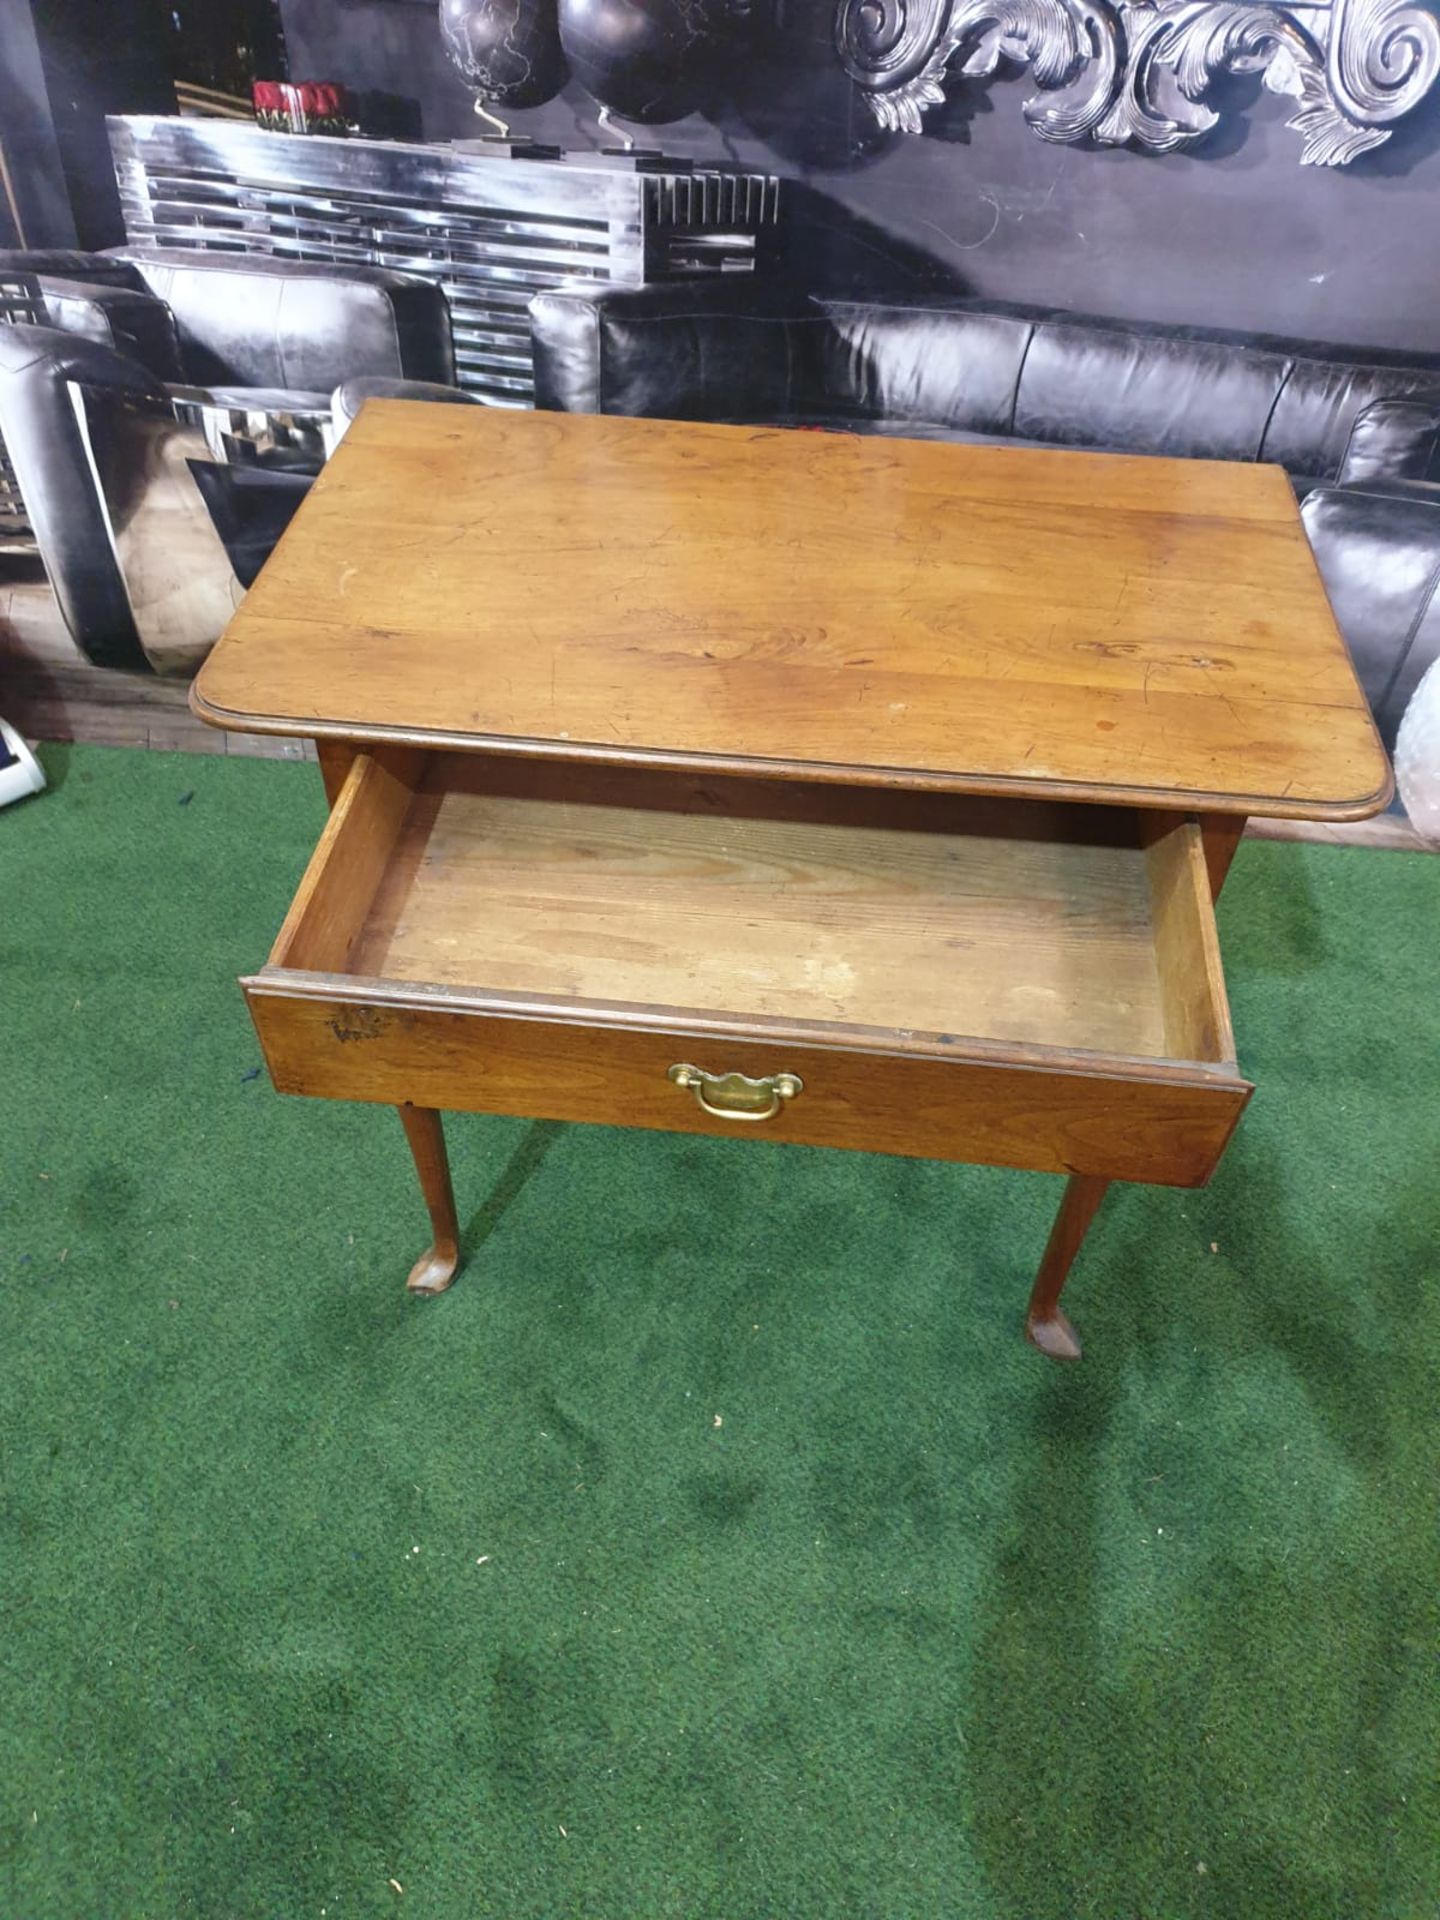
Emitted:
pixel 1012 983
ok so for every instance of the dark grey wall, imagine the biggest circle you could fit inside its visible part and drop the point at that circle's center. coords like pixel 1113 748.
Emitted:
pixel 65 64
pixel 1233 234
pixel 32 153
pixel 99 60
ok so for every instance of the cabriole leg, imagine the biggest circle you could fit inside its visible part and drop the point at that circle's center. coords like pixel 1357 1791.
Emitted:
pixel 435 1269
pixel 1045 1325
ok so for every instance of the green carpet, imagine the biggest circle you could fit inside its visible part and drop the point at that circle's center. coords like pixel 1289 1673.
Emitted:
pixel 716 1548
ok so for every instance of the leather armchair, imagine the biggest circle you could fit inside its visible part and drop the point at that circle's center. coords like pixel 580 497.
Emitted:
pixel 974 370
pixel 49 452
pixel 243 320
pixel 254 320
pixel 118 488
pixel 148 543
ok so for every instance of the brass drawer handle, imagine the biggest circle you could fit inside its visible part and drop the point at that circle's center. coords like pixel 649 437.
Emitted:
pixel 735 1096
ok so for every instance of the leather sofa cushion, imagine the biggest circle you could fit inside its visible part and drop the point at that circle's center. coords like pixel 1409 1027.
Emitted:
pixel 684 351
pixel 1096 386
pixel 1062 379
pixel 1392 439
pixel 1049 379
pixel 926 361
pixel 1317 414
pixel 254 320
pixel 1378 551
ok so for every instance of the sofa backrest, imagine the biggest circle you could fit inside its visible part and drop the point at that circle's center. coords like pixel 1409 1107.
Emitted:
pixel 991 368
pixel 255 320
pixel 71 263
pixel 129 321
pixel 718 347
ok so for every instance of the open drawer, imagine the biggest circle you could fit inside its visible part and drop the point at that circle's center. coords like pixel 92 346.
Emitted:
pixel 1014 983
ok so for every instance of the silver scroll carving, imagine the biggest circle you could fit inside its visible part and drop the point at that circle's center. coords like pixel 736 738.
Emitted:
pixel 1138 72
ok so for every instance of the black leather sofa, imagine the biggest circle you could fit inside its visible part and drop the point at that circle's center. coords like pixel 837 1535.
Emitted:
pixel 982 371
pixel 146 538
pixel 1356 431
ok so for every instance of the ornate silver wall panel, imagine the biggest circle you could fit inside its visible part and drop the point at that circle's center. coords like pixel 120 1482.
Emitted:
pixel 491 229
pixel 1138 72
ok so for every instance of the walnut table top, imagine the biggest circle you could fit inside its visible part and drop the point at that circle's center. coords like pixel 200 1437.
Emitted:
pixel 824 606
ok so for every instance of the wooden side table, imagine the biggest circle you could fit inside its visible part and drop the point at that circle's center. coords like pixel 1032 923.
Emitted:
pixel 863 793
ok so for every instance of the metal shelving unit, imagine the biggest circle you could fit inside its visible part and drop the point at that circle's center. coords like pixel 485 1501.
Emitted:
pixel 493 222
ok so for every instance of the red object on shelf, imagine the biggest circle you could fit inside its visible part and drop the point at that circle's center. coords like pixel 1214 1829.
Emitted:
pixel 312 106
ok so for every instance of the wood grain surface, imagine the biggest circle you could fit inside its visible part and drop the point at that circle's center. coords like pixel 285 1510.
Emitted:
pixel 1186 942
pixel 1007 921
pixel 1010 939
pixel 820 606
pixel 368 1040
pixel 1045 1324
pixel 350 860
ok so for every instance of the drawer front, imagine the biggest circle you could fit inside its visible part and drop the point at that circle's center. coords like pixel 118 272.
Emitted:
pixel 1126 1119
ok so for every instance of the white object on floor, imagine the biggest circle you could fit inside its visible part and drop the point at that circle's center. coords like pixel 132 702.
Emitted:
pixel 20 772
pixel 1417 755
